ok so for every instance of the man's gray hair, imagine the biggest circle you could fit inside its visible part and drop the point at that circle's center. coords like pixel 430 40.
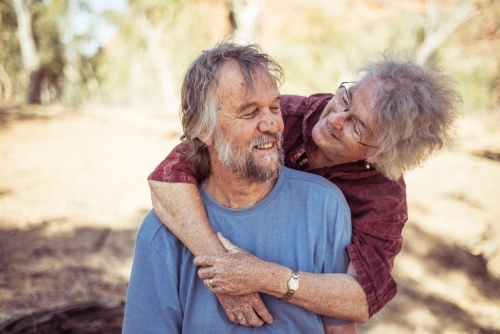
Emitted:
pixel 416 108
pixel 199 99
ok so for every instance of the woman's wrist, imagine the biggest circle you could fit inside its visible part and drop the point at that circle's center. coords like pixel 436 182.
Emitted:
pixel 274 280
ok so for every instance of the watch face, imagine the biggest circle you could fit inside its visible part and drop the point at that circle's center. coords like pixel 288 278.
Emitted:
pixel 294 285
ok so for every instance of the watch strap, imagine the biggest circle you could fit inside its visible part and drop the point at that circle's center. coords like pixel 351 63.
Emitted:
pixel 289 293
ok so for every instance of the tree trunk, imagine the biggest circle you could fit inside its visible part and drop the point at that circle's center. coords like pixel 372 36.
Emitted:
pixel 91 81
pixel 153 38
pixel 31 59
pixel 245 17
pixel 6 85
pixel 35 87
pixel 438 30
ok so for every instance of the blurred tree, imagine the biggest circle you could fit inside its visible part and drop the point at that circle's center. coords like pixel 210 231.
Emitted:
pixel 47 30
pixel 436 29
pixel 47 61
pixel 146 26
pixel 245 17
pixel 160 38
pixel 30 56
pixel 80 65
pixel 6 91
pixel 33 61
pixel 8 47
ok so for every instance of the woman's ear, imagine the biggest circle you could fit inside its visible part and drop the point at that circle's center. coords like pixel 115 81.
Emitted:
pixel 372 160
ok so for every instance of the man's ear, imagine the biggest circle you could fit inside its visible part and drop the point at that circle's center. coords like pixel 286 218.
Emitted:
pixel 208 141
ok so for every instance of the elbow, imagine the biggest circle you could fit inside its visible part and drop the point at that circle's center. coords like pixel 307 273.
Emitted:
pixel 363 317
pixel 362 313
pixel 359 318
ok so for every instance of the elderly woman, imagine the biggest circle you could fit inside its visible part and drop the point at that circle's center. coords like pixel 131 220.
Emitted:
pixel 362 138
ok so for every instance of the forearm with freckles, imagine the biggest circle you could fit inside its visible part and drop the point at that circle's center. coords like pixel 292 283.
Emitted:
pixel 333 295
pixel 180 208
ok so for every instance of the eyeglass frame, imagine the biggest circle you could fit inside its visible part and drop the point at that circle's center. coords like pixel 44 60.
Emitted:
pixel 348 110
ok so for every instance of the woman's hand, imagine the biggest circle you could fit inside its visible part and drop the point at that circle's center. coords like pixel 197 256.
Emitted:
pixel 233 273
pixel 227 275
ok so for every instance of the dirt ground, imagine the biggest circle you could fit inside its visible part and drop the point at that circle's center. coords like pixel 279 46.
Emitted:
pixel 73 191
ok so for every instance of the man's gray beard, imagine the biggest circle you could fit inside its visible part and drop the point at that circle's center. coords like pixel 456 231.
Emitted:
pixel 242 163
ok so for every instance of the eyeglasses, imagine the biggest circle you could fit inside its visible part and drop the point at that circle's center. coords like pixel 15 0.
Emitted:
pixel 343 102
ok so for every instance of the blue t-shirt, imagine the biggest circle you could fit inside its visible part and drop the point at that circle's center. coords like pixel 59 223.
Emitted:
pixel 303 223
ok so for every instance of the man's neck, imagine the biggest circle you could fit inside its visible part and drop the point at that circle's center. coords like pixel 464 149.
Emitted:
pixel 233 192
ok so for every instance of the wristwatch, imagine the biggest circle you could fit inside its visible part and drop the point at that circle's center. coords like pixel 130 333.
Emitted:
pixel 293 285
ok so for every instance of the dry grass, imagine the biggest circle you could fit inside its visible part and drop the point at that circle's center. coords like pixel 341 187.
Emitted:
pixel 73 191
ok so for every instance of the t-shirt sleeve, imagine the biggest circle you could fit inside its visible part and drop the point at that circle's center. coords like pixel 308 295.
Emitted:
pixel 175 168
pixel 340 236
pixel 152 304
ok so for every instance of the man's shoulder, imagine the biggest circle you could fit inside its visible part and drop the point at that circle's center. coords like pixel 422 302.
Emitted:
pixel 312 181
pixel 157 237
pixel 150 227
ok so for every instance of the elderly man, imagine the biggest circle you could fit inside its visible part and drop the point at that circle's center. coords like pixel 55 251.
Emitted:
pixel 233 124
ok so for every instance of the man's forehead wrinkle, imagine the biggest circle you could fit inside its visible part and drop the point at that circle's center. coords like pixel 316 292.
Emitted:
pixel 238 92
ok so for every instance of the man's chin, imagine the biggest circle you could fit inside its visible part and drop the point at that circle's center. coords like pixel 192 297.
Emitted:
pixel 271 165
pixel 259 173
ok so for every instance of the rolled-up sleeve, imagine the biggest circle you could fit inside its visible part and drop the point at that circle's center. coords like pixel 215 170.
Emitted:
pixel 175 168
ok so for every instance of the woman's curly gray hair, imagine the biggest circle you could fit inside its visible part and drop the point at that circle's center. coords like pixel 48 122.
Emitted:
pixel 416 108
pixel 198 94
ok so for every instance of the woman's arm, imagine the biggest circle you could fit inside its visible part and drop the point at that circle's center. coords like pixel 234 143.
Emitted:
pixel 238 272
pixel 180 208
pixel 345 329
pixel 177 202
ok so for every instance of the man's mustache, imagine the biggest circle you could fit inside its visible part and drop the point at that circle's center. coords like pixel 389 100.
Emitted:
pixel 267 138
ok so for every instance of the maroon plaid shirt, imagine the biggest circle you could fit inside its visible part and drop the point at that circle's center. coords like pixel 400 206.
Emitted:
pixel 378 205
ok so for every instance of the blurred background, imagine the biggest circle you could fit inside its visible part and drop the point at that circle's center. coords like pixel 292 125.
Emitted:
pixel 89 96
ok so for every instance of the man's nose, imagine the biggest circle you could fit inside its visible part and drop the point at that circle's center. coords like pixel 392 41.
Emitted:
pixel 269 122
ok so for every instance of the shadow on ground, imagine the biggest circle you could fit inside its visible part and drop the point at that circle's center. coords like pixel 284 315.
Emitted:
pixel 439 258
pixel 39 273
pixel 42 274
pixel 16 113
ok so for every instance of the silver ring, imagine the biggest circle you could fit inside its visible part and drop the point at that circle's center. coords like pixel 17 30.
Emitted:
pixel 210 282
pixel 239 317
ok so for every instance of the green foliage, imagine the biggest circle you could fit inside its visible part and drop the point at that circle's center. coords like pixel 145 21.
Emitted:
pixel 478 86
pixel 10 53
pixel 313 53
pixel 48 41
pixel 184 34
pixel 318 43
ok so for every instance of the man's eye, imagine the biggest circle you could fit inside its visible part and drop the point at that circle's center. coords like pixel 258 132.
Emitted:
pixel 251 114
pixel 275 109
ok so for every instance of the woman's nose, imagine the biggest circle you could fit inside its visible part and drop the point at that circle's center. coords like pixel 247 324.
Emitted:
pixel 338 118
